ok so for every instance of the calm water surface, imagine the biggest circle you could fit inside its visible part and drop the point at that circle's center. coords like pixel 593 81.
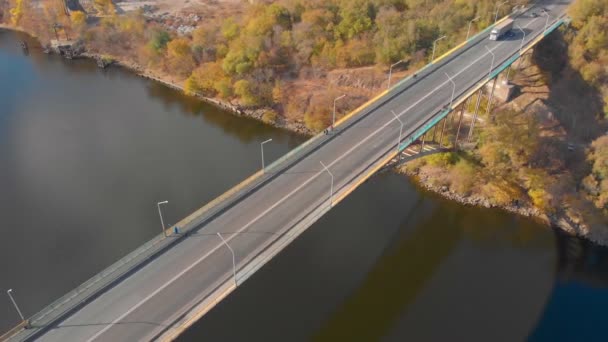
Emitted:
pixel 86 154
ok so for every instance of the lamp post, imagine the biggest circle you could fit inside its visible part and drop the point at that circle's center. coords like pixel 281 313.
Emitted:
pixel 521 46
pixel 434 46
pixel 491 65
pixel 262 148
pixel 233 258
pixel 400 131
pixel 453 89
pixel 469 30
pixel 547 20
pixel 331 188
pixel 497 8
pixel 162 223
pixel 10 295
pixel 390 73
pixel 333 121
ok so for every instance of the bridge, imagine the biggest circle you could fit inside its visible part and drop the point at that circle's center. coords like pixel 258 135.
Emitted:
pixel 163 287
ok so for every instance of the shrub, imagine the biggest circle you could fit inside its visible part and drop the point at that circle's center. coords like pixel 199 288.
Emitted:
pixel 442 159
pixel 316 121
pixel 540 198
pixel 462 176
pixel 269 116
pixel 243 89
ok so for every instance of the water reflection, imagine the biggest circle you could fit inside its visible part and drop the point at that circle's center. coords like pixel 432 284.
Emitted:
pixel 576 308
pixel 230 124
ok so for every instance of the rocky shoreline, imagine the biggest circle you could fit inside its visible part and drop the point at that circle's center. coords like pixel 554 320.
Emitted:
pixel 139 70
pixel 557 221
pixel 296 127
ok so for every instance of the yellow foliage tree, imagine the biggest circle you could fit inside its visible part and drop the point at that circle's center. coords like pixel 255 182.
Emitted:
pixel 17 12
pixel 179 57
pixel 79 19
pixel 104 7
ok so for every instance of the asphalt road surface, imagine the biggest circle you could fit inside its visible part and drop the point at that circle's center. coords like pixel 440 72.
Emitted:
pixel 149 301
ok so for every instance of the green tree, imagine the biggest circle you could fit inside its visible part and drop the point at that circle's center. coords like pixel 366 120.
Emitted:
pixel 159 40
pixel 244 90
pixel 395 37
pixel 357 17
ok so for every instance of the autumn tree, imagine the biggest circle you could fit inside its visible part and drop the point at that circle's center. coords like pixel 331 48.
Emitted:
pixel 17 11
pixel 357 17
pixel 209 79
pixel 596 183
pixel 588 48
pixel 395 37
pixel 179 57
pixel 244 90
pixel 79 20
pixel 104 7
pixel 205 40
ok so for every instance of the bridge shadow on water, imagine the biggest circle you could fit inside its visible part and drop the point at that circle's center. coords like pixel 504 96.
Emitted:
pixel 576 309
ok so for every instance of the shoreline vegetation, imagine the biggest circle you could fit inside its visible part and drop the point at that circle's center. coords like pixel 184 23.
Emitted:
pixel 553 167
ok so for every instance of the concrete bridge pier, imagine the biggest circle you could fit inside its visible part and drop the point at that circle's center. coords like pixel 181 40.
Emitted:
pixel 442 130
pixel 474 120
pixel 422 142
pixel 462 109
pixel 489 106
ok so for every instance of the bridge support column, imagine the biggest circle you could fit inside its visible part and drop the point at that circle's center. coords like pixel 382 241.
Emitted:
pixel 442 130
pixel 479 93
pixel 489 107
pixel 434 131
pixel 452 123
pixel 464 105
pixel 422 144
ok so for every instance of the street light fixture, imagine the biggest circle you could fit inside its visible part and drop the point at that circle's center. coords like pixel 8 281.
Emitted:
pixel 434 46
pixel 547 20
pixel 162 223
pixel 390 73
pixel 469 30
pixel 10 295
pixel 333 121
pixel 400 131
pixel 233 258
pixel 521 46
pixel 497 8
pixel 491 65
pixel 331 189
pixel 262 148
pixel 453 89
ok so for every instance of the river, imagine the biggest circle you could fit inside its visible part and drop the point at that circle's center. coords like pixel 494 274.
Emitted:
pixel 86 154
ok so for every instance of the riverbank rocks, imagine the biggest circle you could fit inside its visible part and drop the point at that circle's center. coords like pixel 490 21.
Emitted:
pixel 561 221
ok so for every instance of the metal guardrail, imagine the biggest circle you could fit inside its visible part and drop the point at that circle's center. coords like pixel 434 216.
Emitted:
pixel 14 330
